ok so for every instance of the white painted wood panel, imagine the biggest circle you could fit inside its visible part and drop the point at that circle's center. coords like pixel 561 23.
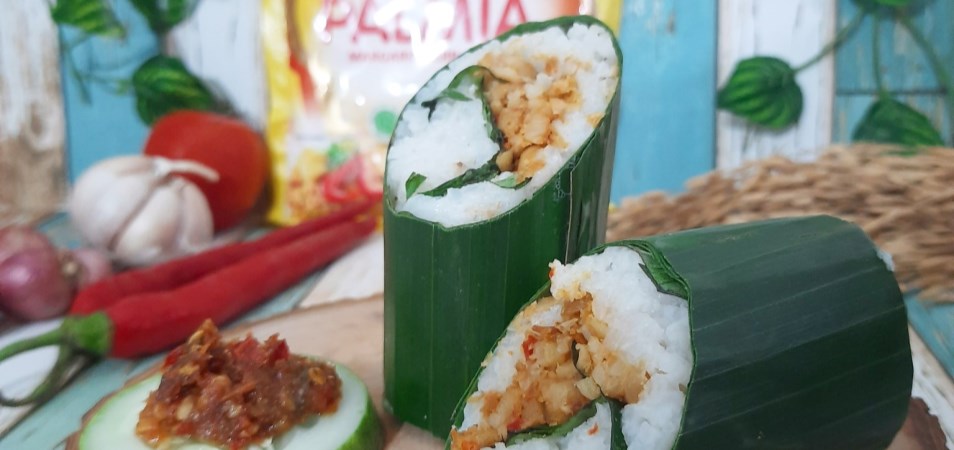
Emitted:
pixel 221 43
pixel 32 129
pixel 794 30
pixel 933 385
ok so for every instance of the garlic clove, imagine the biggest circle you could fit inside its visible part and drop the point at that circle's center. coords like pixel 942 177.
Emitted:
pixel 98 180
pixel 107 195
pixel 195 222
pixel 140 211
pixel 151 234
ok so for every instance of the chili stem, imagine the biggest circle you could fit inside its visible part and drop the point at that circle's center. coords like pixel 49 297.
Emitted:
pixel 75 337
pixel 943 77
pixel 47 339
pixel 49 385
pixel 840 38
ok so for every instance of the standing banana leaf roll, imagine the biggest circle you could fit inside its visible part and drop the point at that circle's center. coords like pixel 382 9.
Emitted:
pixel 500 164
pixel 785 334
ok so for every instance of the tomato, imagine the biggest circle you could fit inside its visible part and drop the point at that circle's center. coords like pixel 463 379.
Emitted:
pixel 225 145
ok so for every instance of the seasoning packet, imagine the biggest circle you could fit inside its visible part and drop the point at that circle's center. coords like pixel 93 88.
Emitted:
pixel 339 72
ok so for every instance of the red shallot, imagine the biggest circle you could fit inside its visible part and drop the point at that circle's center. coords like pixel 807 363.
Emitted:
pixel 37 281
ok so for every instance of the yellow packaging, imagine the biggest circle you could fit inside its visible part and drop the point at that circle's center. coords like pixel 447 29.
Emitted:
pixel 339 72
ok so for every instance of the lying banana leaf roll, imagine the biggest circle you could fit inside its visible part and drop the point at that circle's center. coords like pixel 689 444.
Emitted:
pixel 789 333
pixel 500 164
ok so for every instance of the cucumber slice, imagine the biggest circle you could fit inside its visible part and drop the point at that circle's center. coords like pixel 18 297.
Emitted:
pixel 354 426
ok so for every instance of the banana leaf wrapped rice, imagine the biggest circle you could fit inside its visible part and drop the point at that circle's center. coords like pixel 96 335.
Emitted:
pixel 782 334
pixel 498 165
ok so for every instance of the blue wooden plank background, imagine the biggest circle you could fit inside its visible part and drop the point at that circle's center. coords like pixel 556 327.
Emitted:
pixel 105 123
pixel 667 114
pixel 904 68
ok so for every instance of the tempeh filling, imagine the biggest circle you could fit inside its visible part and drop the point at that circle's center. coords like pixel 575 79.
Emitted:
pixel 526 101
pixel 549 386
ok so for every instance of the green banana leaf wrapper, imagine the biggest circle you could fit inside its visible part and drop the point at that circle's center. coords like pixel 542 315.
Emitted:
pixel 799 335
pixel 450 292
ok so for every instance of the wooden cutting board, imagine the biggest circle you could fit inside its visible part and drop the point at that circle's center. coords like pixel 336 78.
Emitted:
pixel 352 333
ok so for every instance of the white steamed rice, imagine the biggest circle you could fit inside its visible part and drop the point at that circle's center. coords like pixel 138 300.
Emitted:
pixel 454 139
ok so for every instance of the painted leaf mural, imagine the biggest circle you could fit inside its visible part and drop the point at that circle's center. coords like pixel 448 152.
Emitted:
pixel 163 84
pixel 763 90
pixel 891 121
pixel 91 16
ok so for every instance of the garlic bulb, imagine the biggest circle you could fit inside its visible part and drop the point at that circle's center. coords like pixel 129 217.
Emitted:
pixel 136 209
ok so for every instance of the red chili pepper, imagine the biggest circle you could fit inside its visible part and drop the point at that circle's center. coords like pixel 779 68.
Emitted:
pixel 147 323
pixel 107 292
pixel 150 322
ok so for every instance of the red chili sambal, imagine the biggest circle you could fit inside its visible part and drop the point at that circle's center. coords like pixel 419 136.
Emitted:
pixel 235 394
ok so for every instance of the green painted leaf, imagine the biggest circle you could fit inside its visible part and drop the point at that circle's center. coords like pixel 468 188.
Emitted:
pixel 891 121
pixel 163 84
pixel 763 90
pixel 413 183
pixel 90 16
pixel 162 15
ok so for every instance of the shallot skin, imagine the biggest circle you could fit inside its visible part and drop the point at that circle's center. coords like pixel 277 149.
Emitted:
pixel 93 265
pixel 32 285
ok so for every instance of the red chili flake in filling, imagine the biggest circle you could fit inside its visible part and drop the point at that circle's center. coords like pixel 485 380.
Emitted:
pixel 235 394
pixel 528 346
pixel 172 357
pixel 514 425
